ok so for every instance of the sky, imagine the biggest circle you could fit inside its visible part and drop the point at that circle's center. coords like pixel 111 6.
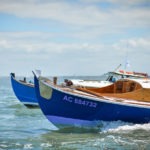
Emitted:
pixel 74 37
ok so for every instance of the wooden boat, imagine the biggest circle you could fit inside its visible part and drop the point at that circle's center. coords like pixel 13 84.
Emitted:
pixel 126 100
pixel 24 91
pixel 129 74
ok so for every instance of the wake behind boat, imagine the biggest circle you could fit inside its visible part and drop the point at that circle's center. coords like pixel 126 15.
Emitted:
pixel 24 91
pixel 126 100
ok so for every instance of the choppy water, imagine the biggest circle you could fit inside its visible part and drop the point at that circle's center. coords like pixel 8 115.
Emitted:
pixel 23 128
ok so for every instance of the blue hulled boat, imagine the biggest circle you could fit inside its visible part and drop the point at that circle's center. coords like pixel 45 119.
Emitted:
pixel 126 100
pixel 24 91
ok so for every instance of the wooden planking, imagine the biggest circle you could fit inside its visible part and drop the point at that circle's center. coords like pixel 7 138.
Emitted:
pixel 139 95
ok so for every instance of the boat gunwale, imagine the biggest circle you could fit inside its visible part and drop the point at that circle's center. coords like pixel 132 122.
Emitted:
pixel 22 82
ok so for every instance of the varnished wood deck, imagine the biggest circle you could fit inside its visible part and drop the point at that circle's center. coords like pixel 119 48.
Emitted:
pixel 122 89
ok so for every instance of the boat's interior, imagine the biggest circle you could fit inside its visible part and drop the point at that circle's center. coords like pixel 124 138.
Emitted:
pixel 126 89
pixel 121 86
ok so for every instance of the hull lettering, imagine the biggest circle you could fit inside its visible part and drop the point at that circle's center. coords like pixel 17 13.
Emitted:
pixel 79 101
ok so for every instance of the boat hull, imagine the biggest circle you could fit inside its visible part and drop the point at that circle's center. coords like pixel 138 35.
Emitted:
pixel 25 93
pixel 68 109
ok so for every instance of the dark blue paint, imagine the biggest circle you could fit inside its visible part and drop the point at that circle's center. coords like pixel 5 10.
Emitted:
pixel 25 93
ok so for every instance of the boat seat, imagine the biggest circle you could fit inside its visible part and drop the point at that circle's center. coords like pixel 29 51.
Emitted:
pixel 124 87
pixel 118 86
pixel 129 86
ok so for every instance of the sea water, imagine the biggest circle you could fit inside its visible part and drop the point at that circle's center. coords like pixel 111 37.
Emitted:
pixel 24 128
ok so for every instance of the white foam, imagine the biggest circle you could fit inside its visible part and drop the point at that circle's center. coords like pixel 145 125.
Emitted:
pixel 28 146
pixel 3 146
pixel 46 145
pixel 119 126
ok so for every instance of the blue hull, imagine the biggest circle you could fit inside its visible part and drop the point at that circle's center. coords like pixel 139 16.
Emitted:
pixel 24 92
pixel 64 108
